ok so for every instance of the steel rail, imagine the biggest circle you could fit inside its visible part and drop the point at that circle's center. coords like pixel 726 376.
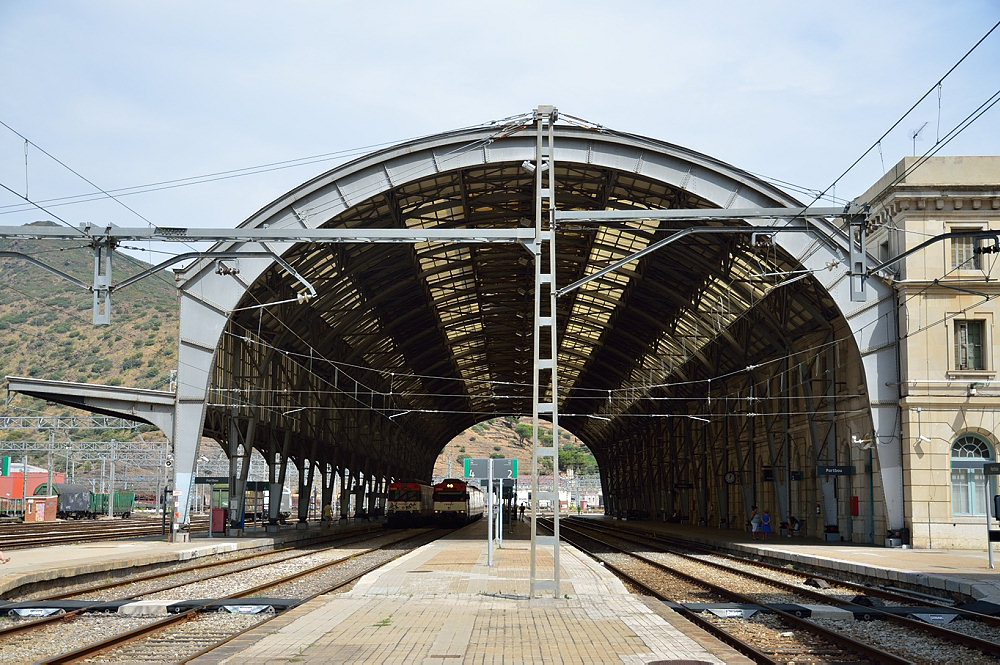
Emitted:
pixel 119 530
pixel 659 541
pixel 868 651
pixel 187 615
pixel 341 540
pixel 27 626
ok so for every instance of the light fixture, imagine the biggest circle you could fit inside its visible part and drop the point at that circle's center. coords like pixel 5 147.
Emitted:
pixel 223 268
pixel 925 439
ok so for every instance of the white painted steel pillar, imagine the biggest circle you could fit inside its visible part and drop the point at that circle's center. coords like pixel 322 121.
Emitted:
pixel 545 335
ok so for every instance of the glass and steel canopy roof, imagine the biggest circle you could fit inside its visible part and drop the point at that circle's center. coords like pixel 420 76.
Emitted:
pixel 443 332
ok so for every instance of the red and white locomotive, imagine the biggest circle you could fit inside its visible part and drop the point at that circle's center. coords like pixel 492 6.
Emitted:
pixel 457 502
pixel 409 503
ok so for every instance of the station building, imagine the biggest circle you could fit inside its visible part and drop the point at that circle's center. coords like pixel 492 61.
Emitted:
pixel 948 340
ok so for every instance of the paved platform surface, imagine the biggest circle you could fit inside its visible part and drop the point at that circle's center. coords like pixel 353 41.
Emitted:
pixel 443 604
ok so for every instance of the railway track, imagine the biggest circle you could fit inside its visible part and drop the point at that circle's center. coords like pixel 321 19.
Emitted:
pixel 62 532
pixel 778 635
pixel 830 585
pixel 286 576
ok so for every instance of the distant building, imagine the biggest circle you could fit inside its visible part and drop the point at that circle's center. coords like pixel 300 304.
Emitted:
pixel 12 485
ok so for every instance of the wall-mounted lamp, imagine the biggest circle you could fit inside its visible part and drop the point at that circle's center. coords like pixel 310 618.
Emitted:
pixel 925 439
pixel 972 388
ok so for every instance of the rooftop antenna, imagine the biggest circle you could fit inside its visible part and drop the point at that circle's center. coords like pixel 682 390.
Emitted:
pixel 913 137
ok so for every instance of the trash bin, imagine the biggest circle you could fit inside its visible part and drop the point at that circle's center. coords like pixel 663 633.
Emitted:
pixel 218 520
pixel 899 536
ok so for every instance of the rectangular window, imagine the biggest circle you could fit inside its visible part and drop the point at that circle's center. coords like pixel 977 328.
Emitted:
pixel 968 492
pixel 960 492
pixel 969 344
pixel 963 254
pixel 883 250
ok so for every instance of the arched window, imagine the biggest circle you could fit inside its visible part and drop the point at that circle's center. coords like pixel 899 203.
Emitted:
pixel 968 489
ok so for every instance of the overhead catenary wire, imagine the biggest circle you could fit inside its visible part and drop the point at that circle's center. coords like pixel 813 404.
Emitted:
pixel 313 355
pixel 917 103
pixel 226 174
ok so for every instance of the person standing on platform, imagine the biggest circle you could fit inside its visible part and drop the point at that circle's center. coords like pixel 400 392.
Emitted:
pixel 522 512
pixel 754 522
pixel 765 524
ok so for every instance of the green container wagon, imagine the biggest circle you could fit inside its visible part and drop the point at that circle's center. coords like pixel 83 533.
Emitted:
pixel 124 504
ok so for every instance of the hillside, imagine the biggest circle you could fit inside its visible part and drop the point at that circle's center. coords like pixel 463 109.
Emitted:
pixel 46 329
pixel 509 438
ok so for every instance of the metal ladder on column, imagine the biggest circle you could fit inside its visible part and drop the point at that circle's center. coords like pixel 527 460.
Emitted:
pixel 545 387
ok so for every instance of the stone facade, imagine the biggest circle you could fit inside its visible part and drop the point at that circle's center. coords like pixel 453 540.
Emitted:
pixel 949 349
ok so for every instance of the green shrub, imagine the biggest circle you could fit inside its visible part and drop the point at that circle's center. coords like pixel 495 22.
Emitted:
pixel 133 361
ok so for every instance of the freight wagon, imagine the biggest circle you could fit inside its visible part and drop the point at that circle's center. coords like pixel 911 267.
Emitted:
pixel 78 502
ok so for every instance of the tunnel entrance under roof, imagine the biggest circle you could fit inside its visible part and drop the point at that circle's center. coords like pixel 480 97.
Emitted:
pixel 722 370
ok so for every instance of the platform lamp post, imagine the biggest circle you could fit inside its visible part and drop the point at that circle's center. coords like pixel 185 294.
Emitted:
pixel 201 488
pixel 990 471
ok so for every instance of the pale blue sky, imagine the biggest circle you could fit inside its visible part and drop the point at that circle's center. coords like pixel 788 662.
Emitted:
pixel 129 93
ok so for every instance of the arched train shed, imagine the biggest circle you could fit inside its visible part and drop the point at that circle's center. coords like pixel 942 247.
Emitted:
pixel 726 368
pixel 719 371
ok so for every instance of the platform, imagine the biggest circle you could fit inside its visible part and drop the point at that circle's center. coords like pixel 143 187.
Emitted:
pixel 442 603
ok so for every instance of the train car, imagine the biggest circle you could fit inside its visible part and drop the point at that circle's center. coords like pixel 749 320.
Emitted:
pixel 409 503
pixel 456 502
pixel 124 504
pixel 73 501
pixel 78 502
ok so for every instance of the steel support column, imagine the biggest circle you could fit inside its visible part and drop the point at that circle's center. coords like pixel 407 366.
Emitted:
pixel 545 359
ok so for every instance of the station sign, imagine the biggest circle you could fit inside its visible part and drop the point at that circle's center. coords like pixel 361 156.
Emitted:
pixel 834 470
pixel 210 480
pixel 480 468
pixel 991 469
